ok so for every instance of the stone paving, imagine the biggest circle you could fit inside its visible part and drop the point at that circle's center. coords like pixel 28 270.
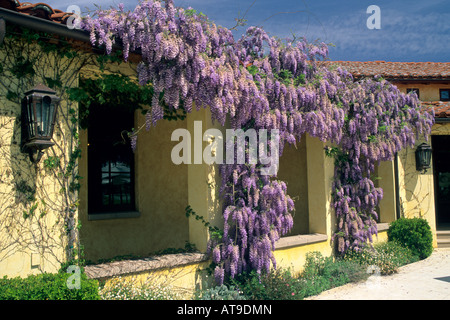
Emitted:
pixel 428 279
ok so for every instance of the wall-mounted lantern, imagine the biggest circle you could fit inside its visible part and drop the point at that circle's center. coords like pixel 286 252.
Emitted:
pixel 39 107
pixel 423 157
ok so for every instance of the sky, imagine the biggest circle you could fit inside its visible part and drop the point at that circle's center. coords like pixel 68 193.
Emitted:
pixel 409 31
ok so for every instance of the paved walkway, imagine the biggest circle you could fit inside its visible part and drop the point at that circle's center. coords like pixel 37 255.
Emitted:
pixel 427 279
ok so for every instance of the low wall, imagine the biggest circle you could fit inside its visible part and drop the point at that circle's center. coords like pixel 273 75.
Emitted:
pixel 185 273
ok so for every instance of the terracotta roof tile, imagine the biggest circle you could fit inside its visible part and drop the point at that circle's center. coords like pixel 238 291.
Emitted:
pixel 397 70
pixel 39 10
pixel 441 108
pixel 403 71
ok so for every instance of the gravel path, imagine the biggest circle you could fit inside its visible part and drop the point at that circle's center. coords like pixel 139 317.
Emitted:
pixel 427 279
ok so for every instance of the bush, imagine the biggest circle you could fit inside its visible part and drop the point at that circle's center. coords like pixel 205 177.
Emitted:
pixel 123 288
pixel 412 233
pixel 323 273
pixel 47 287
pixel 386 256
pixel 319 274
pixel 278 284
pixel 221 292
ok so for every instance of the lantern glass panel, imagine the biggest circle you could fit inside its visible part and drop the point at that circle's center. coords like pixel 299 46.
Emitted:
pixel 39 124
pixel 428 157
pixel 45 117
pixel 51 116
pixel 30 117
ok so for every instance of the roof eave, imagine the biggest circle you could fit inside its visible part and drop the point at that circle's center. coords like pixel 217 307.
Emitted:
pixel 404 79
pixel 42 25
pixel 442 119
pixel 421 79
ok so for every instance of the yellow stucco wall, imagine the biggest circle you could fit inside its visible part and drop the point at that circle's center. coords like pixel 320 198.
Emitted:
pixel 184 280
pixel 36 243
pixel 294 258
pixel 161 198
pixel 428 91
pixel 416 190
pixel 181 281
pixel 204 179
pixel 441 129
pixel 293 171
pixel 385 179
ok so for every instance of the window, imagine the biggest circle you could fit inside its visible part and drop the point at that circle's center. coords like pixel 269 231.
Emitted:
pixel 110 160
pixel 408 90
pixel 444 94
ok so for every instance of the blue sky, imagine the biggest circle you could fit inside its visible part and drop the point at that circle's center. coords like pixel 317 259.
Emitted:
pixel 414 30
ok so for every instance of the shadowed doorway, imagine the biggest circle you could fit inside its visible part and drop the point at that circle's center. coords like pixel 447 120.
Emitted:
pixel 441 164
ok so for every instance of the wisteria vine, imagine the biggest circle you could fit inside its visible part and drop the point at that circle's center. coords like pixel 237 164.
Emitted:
pixel 262 82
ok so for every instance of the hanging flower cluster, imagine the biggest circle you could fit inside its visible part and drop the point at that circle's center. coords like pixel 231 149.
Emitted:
pixel 378 125
pixel 261 82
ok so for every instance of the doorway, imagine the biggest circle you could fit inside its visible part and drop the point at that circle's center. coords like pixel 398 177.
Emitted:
pixel 441 165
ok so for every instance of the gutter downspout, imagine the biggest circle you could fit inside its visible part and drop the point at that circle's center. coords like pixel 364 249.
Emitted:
pixel 42 25
pixel 441 120
pixel 397 188
pixel 2 30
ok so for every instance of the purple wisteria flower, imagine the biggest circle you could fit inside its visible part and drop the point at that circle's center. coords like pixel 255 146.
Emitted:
pixel 262 82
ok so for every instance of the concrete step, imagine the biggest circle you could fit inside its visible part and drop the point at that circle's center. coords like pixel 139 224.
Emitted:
pixel 443 238
pixel 443 243
pixel 443 234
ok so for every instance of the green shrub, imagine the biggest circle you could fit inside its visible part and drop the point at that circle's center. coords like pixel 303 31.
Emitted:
pixel 47 287
pixel 319 274
pixel 222 292
pixel 125 288
pixel 278 284
pixel 412 233
pixel 396 253
pixel 337 271
pixel 387 256
pixel 323 273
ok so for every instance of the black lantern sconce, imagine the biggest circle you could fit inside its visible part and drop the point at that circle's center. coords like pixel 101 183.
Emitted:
pixel 423 157
pixel 39 109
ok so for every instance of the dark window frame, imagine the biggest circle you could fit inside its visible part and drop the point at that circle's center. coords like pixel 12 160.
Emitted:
pixel 416 90
pixel 109 146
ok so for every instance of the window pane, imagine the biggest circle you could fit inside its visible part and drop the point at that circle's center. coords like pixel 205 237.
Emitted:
pixel 120 166
pixel 413 90
pixel 111 161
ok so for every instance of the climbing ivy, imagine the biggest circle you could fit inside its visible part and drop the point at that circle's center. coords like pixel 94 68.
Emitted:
pixel 28 58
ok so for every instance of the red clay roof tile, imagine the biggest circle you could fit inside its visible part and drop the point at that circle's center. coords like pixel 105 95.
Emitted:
pixel 441 108
pixel 39 10
pixel 403 71
pixel 397 70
